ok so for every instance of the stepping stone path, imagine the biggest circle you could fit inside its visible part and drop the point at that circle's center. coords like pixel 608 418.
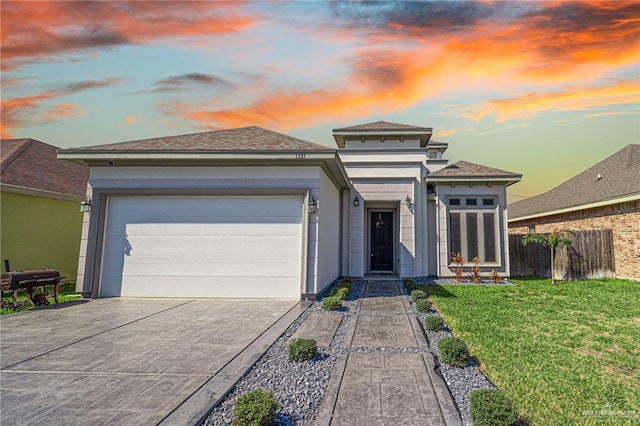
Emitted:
pixel 319 326
pixel 387 375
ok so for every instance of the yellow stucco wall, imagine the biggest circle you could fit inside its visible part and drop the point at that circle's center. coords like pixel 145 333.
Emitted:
pixel 38 232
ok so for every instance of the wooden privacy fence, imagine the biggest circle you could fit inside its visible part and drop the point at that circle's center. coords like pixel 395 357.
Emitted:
pixel 590 255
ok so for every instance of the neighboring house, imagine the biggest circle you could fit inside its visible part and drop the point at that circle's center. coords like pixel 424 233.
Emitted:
pixel 40 200
pixel 253 213
pixel 605 196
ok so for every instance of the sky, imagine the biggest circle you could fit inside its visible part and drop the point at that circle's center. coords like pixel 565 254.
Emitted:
pixel 545 89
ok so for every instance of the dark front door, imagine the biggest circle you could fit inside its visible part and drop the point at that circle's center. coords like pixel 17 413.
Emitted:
pixel 381 241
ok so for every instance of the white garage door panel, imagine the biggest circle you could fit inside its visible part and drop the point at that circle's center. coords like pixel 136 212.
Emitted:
pixel 203 247
pixel 205 287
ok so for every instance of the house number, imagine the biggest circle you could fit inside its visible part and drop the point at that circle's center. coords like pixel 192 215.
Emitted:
pixel 300 156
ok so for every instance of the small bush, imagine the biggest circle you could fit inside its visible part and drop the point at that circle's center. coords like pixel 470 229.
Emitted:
pixel 345 280
pixel 341 285
pixel 343 293
pixel 423 305
pixel 453 351
pixel 418 294
pixel 255 408
pixel 332 303
pixel 492 408
pixel 302 349
pixel 433 323
pixel 411 287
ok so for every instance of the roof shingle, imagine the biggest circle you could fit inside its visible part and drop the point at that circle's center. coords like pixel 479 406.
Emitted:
pixel 619 177
pixel 381 126
pixel 465 169
pixel 251 138
pixel 29 163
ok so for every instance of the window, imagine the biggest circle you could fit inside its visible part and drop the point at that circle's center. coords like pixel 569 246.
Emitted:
pixel 473 229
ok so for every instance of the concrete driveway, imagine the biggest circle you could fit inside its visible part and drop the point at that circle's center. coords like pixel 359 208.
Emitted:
pixel 129 361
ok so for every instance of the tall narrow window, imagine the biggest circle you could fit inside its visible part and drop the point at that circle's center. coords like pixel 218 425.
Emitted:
pixel 489 237
pixel 454 225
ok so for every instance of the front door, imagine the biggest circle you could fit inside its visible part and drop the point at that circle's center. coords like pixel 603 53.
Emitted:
pixel 382 241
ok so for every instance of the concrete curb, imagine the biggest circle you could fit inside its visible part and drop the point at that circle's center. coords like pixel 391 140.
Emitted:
pixel 195 409
pixel 325 412
pixel 445 400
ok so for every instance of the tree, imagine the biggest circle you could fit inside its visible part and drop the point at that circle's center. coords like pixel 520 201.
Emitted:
pixel 553 240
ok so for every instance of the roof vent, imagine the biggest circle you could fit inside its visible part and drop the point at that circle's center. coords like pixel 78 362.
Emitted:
pixel 599 177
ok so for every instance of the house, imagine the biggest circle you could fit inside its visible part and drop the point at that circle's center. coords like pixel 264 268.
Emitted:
pixel 250 212
pixel 605 196
pixel 39 195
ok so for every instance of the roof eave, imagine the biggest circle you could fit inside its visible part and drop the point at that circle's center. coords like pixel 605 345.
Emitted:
pixel 507 180
pixel 610 201
pixel 424 134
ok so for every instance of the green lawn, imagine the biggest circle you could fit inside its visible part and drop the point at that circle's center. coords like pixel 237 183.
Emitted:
pixel 66 292
pixel 566 354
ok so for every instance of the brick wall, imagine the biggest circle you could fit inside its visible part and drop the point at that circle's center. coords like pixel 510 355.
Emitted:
pixel 623 219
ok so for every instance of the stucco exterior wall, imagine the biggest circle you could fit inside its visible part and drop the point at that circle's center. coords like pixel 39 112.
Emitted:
pixel 623 219
pixel 40 233
pixel 329 215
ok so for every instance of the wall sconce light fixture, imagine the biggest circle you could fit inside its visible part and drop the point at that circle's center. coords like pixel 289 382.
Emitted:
pixel 85 206
pixel 313 205
pixel 356 201
pixel 407 201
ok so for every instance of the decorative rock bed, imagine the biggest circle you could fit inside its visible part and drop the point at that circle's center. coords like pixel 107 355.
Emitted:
pixel 300 386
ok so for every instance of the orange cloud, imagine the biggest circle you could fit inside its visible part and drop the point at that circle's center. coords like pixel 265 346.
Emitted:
pixel 131 119
pixel 32 30
pixel 574 98
pixel 15 112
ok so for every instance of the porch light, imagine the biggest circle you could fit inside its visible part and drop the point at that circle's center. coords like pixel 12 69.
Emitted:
pixel 313 205
pixel 407 201
pixel 356 201
pixel 85 206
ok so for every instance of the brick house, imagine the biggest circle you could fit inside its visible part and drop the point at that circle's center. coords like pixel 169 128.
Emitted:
pixel 605 196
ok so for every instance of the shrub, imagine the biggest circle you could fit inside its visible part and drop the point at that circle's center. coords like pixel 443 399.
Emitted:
pixel 345 280
pixel 492 408
pixel 423 305
pixel 495 277
pixel 453 351
pixel 418 294
pixel 332 303
pixel 341 285
pixel 433 323
pixel 343 293
pixel 255 408
pixel 411 287
pixel 302 349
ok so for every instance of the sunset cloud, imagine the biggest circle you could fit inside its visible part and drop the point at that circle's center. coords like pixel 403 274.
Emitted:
pixel 573 98
pixel 59 111
pixel 16 112
pixel 190 81
pixel 131 119
pixel 31 31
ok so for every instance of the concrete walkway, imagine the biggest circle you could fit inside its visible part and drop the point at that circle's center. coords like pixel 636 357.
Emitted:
pixel 372 384
pixel 132 361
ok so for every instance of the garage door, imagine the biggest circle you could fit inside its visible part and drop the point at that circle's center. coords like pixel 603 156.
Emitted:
pixel 161 246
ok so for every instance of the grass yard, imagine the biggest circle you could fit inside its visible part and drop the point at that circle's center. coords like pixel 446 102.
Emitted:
pixel 66 292
pixel 566 354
